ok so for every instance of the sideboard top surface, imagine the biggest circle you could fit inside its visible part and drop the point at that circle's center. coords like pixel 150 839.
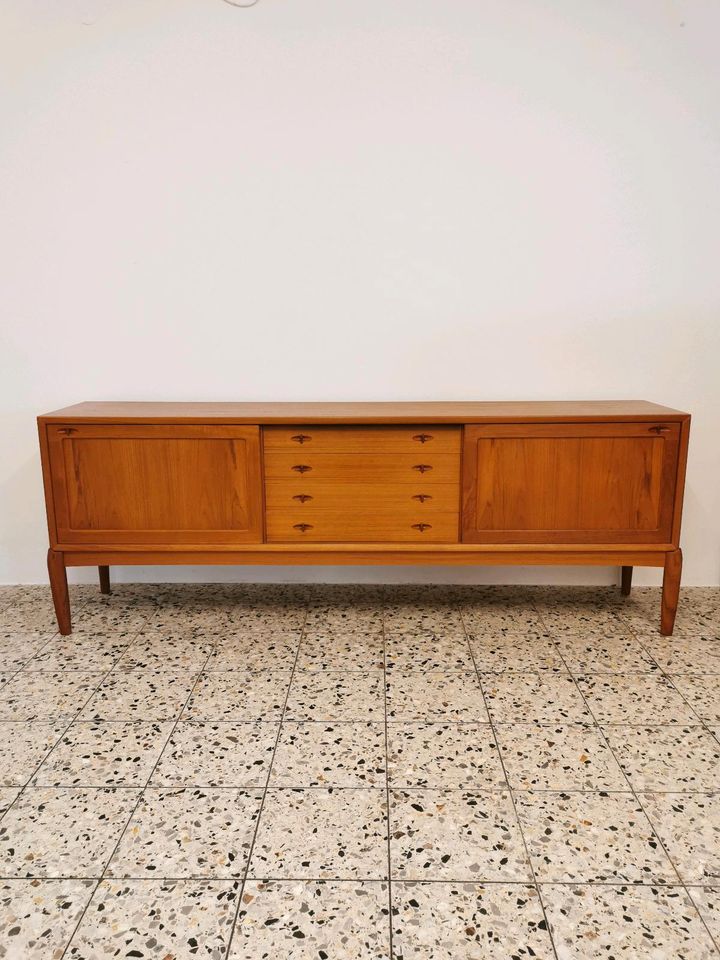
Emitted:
pixel 508 411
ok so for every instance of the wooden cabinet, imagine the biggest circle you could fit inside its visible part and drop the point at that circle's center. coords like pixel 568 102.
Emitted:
pixel 570 483
pixel 417 483
pixel 152 484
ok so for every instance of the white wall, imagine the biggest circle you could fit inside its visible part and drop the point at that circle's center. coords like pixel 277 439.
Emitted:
pixel 314 199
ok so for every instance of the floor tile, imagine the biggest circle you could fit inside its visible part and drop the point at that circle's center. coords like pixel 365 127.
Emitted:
pixel 22 746
pixel 86 654
pixel 46 696
pixel 316 754
pixel 166 653
pixel 443 755
pixel 450 921
pixel 62 833
pixel 559 618
pixel 238 696
pixel 642 922
pixel 356 650
pixel 702 694
pixel 333 697
pixel 455 835
pixel 133 695
pixel 116 754
pixel 560 757
pixel 493 616
pixel 225 754
pixel 634 698
pixel 690 655
pixel 162 919
pixel 305 920
pixel 322 834
pixel 604 653
pixel 38 917
pixel 422 619
pixel 17 648
pixel 236 651
pixel 537 697
pixel 707 901
pixel 591 838
pixel 190 833
pixel 427 651
pixel 442 697
pixel 666 757
pixel 8 795
pixel 108 619
pixel 689 826
pixel 515 653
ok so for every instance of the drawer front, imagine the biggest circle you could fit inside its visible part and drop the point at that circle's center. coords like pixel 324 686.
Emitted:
pixel 383 498
pixel 422 439
pixel 364 467
pixel 360 526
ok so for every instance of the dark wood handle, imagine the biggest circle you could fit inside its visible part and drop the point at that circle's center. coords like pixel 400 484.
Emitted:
pixel 302 527
pixel 423 437
pixel 659 429
pixel 422 497
pixel 422 527
pixel 302 497
pixel 422 467
pixel 67 430
pixel 301 437
pixel 301 468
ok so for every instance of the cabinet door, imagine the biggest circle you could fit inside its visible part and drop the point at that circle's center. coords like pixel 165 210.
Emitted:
pixel 157 484
pixel 569 483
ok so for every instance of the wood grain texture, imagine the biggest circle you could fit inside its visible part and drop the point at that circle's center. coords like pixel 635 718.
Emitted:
pixel 568 483
pixel 670 591
pixel 324 554
pixel 178 484
pixel 59 590
pixel 376 468
pixel 425 439
pixel 434 412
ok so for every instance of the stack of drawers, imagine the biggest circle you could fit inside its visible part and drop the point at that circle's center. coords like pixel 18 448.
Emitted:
pixel 362 484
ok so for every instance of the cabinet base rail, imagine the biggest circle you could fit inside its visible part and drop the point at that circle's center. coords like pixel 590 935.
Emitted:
pixel 669 560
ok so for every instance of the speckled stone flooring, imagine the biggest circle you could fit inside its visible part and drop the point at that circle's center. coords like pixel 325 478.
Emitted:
pixel 242 772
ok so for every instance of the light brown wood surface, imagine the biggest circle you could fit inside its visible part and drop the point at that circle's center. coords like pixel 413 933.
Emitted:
pixel 587 482
pixel 570 483
pixel 140 484
pixel 436 412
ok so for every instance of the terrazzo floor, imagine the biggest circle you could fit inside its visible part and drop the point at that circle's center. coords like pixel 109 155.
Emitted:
pixel 378 773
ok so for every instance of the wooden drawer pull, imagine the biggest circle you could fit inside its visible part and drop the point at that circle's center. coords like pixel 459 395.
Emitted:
pixel 302 527
pixel 422 467
pixel 67 430
pixel 422 497
pixel 422 527
pixel 301 468
pixel 302 497
pixel 423 437
pixel 301 437
pixel 659 429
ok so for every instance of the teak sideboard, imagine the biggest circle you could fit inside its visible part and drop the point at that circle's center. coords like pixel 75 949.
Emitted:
pixel 596 482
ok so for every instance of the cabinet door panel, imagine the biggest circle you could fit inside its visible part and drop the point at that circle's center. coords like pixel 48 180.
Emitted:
pixel 117 484
pixel 569 483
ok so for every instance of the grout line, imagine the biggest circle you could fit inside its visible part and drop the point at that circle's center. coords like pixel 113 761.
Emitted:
pixel 265 790
pixel 510 792
pixel 387 793
pixel 141 791
pixel 659 839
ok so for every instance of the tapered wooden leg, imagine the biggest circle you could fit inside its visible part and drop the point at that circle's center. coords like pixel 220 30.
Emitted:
pixel 670 591
pixel 626 581
pixel 59 588
pixel 104 573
